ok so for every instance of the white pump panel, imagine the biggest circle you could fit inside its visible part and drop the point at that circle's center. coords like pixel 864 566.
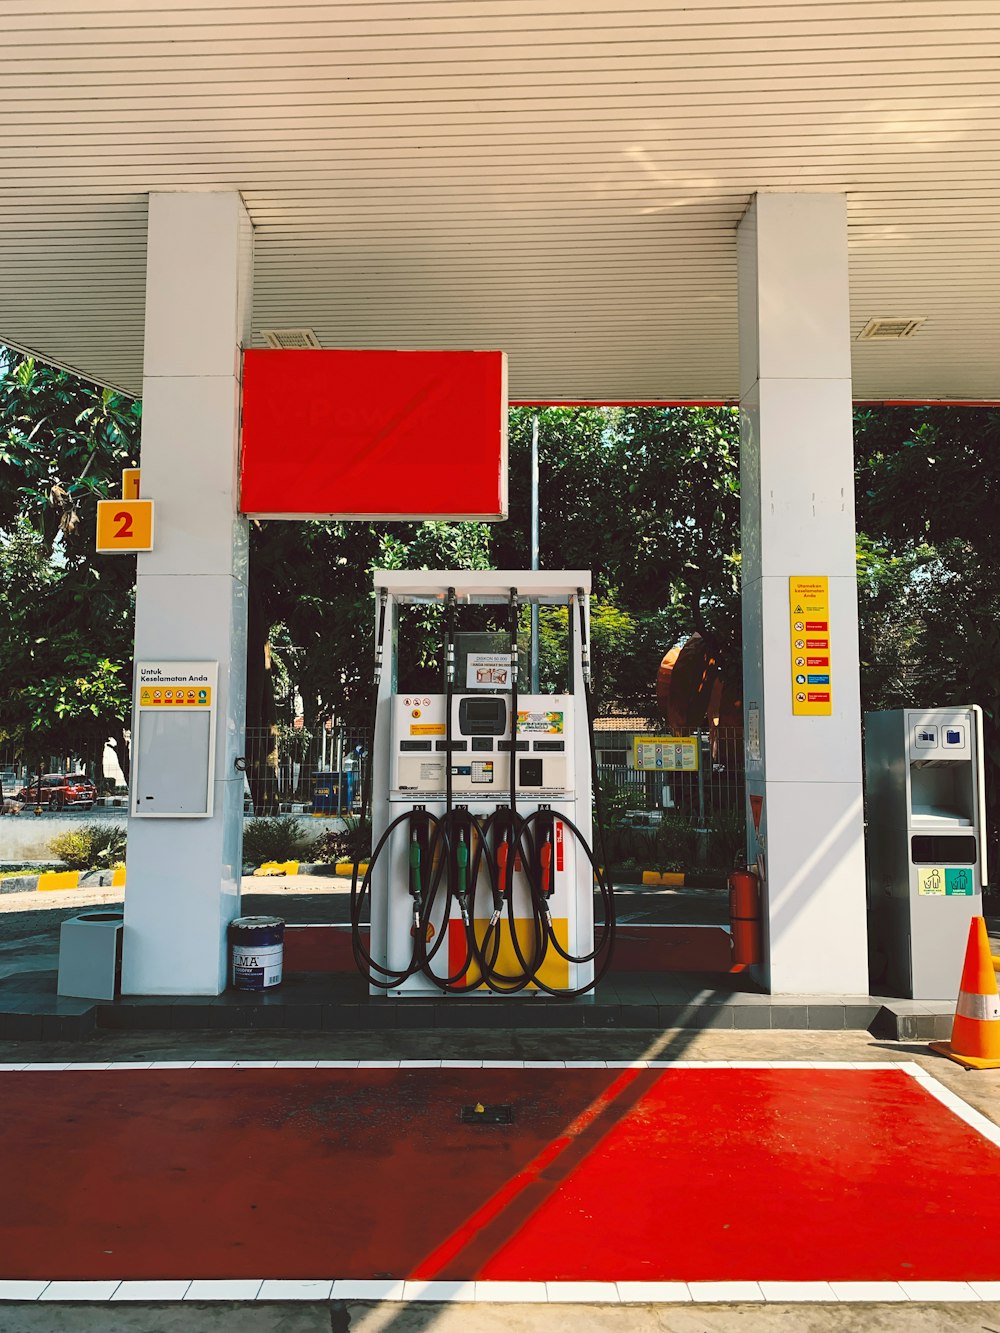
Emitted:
pixel 552 775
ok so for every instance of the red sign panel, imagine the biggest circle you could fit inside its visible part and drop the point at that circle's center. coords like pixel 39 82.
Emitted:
pixel 394 435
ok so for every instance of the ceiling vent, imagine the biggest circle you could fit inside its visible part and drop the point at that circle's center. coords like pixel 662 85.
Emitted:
pixel 884 329
pixel 289 339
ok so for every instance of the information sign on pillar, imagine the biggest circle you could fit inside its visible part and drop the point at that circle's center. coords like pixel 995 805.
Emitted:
pixel 124 526
pixel 809 611
pixel 173 747
pixel 130 483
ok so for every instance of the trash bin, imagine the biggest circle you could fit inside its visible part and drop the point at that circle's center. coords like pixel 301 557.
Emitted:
pixel 326 787
pixel 258 950
pixel 90 956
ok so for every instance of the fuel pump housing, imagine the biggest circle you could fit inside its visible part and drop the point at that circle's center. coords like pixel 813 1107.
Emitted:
pixel 442 783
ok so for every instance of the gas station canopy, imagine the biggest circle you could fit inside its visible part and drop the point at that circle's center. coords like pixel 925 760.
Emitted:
pixel 559 180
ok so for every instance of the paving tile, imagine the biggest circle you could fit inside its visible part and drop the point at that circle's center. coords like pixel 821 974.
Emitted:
pixel 21 1027
pixel 342 1017
pixel 868 1291
pixel 859 1016
pixel 789 1017
pixel 415 1014
pixel 378 1016
pixel 797 1291
pixel 80 1291
pixel 304 1016
pixel 512 1291
pixel 724 1292
pixel 604 1293
pixel 755 1017
pixel 375 1289
pixel 826 1017
pixel 439 1291
pixel 654 1292
pixel 939 1291
pixel 213 1289
pixel 151 1291
pixel 14 1290
pixel 300 1290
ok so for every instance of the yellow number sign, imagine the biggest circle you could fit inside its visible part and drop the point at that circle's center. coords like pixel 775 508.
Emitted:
pixel 130 483
pixel 124 526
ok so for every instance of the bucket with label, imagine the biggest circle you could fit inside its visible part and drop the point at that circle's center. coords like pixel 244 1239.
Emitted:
pixel 258 947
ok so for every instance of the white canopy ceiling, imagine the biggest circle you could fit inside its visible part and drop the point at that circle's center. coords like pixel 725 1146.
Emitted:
pixel 560 179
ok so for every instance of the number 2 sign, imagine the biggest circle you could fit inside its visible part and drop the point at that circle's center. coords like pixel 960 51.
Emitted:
pixel 124 526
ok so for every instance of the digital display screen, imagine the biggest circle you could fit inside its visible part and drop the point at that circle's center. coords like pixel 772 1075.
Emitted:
pixel 483 710
pixel 483 716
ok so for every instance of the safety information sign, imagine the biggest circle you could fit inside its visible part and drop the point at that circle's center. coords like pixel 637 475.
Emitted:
pixel 175 684
pixel 669 754
pixel 809 608
pixel 945 881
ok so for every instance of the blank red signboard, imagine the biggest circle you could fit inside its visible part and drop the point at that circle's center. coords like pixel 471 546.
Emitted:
pixel 392 435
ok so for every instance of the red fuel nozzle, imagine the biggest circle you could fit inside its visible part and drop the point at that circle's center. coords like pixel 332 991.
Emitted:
pixel 502 850
pixel 545 861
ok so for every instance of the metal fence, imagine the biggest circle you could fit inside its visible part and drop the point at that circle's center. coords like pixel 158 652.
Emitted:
pixel 716 790
pixel 293 771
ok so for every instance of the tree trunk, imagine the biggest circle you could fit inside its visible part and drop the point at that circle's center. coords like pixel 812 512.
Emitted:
pixel 121 749
pixel 262 727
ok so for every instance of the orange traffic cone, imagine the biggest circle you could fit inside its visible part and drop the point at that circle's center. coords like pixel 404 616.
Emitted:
pixel 975 1035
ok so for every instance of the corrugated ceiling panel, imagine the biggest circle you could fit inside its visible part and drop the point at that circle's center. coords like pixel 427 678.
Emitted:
pixel 562 181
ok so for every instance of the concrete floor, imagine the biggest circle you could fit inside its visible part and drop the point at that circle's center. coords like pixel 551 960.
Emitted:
pixel 344 1317
pixel 29 929
pixel 980 1089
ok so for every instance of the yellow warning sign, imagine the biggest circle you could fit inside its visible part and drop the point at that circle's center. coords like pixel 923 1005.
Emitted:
pixel 124 526
pixel 427 729
pixel 809 621
pixel 175 696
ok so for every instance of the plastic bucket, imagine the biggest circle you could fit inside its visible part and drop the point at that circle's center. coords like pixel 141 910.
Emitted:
pixel 258 950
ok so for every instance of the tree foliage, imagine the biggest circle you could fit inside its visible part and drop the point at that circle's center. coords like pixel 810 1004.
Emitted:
pixel 646 498
pixel 65 612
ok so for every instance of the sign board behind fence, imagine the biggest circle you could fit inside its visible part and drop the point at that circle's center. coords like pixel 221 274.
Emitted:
pixel 667 754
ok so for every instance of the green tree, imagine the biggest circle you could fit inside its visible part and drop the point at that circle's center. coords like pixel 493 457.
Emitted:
pixel 928 485
pixel 65 612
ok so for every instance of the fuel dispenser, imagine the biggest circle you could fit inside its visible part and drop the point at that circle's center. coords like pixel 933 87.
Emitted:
pixel 926 816
pixel 483 874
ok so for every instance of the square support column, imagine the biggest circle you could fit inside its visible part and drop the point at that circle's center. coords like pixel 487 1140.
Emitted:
pixel 797 519
pixel 191 590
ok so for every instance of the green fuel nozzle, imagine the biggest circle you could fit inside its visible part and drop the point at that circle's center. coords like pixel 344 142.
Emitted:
pixel 462 864
pixel 415 865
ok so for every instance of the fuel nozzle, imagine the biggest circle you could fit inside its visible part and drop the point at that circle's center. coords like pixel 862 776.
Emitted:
pixel 503 853
pixel 415 883
pixel 545 864
pixel 462 866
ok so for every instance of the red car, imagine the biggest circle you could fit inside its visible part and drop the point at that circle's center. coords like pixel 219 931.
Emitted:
pixel 60 790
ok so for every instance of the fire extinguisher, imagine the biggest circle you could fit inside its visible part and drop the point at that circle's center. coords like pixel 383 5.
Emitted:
pixel 744 917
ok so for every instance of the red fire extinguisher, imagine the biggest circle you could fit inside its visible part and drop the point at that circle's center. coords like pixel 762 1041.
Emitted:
pixel 744 916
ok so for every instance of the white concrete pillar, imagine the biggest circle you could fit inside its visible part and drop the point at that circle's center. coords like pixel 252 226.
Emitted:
pixel 191 592
pixel 797 517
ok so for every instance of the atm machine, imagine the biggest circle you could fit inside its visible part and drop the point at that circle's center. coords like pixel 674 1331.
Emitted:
pixel 926 844
pixel 483 873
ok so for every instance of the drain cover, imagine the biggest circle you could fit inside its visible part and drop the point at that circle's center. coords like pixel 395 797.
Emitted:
pixel 487 1115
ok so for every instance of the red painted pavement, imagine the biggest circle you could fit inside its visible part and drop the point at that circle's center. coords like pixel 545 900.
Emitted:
pixel 605 1175
pixel 637 949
